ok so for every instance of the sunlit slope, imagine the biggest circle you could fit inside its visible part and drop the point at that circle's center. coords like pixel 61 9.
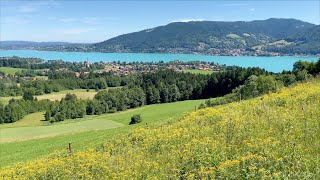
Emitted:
pixel 277 135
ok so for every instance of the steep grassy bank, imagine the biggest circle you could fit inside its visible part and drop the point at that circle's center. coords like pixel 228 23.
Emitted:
pixel 274 136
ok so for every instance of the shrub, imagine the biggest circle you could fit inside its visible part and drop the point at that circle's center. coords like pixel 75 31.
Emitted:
pixel 201 106
pixel 135 119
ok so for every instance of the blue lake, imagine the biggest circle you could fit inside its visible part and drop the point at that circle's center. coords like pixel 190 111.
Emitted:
pixel 274 64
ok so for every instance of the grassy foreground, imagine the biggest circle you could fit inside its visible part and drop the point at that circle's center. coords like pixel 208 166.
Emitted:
pixel 19 150
pixel 274 137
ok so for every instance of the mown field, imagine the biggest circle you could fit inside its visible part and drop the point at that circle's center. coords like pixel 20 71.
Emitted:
pixel 9 70
pixel 80 93
pixel 197 71
pixel 23 144
pixel 276 136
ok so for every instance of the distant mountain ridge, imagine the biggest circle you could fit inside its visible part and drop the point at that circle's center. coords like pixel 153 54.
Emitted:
pixel 211 37
pixel 258 38
pixel 36 45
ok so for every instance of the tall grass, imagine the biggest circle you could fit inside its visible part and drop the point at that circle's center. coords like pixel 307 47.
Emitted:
pixel 264 138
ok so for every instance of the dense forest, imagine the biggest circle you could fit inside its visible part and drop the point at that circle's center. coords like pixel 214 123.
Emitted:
pixel 223 38
pixel 37 63
pixel 159 87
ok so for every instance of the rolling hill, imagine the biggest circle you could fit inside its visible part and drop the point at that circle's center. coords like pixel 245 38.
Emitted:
pixel 263 138
pixel 208 37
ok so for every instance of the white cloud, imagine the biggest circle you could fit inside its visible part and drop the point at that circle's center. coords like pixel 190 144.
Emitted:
pixel 68 19
pixel 13 20
pixel 252 9
pixel 36 6
pixel 27 9
pixel 187 20
pixel 74 31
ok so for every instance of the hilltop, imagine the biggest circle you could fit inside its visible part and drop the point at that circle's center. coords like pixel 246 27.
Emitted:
pixel 274 136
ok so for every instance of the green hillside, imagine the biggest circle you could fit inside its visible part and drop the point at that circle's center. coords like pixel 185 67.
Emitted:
pixel 263 138
pixel 301 42
pixel 20 138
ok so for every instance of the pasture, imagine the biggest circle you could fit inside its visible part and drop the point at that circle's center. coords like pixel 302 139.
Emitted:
pixel 197 71
pixel 80 93
pixel 22 144
pixel 9 70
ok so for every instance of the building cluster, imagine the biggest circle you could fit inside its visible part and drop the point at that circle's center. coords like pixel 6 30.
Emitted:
pixel 141 68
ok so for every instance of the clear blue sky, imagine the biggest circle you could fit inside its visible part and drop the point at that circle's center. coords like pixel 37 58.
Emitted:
pixel 94 21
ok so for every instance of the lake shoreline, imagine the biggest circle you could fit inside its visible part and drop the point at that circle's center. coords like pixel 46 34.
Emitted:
pixel 269 63
pixel 201 54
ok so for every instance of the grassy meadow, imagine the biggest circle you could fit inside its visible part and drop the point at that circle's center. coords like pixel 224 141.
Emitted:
pixel 9 70
pixel 273 137
pixel 80 93
pixel 21 144
pixel 34 119
pixel 197 71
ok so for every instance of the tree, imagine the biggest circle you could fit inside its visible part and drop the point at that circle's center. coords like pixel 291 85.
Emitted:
pixel 153 95
pixel 1 114
pixel 27 96
pixel 174 93
pixel 47 115
pixel 70 97
pixel 164 94
pixel 60 116
pixel 135 119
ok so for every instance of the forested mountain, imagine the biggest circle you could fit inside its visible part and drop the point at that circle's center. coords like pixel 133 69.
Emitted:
pixel 302 42
pixel 260 37
pixel 212 37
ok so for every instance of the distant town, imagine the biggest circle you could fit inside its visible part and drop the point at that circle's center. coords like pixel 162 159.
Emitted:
pixel 40 70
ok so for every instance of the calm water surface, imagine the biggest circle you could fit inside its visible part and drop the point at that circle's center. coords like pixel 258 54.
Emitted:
pixel 274 64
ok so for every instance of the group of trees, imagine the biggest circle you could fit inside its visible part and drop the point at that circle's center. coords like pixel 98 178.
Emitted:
pixel 158 87
pixel 169 86
pixel 40 87
pixel 307 67
pixel 258 85
pixel 17 109
pixel 107 101
pixel 68 108
pixel 37 63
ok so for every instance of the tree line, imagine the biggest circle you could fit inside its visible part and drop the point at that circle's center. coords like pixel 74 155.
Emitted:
pixel 38 63
pixel 159 87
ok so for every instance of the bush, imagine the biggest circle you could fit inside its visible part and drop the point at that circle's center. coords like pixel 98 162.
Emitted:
pixel 201 106
pixel 135 119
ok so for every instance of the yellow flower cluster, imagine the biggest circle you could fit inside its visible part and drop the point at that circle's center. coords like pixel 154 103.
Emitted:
pixel 276 136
